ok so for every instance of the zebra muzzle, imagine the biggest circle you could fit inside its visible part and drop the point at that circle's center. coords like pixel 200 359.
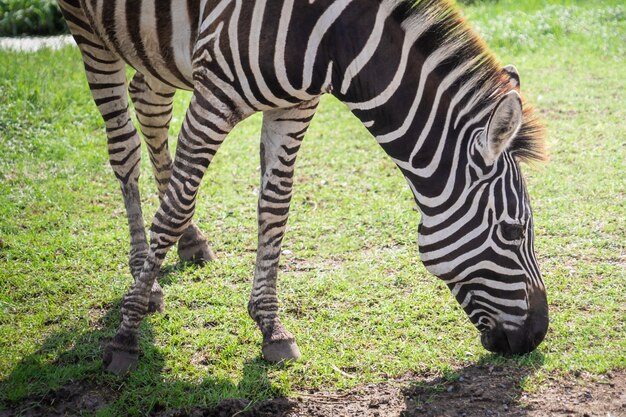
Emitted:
pixel 518 341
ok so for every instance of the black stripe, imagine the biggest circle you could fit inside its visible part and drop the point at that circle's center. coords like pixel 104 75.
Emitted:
pixel 102 86
pixel 290 151
pixel 277 211
pixel 138 100
pixel 91 69
pixel 287 162
pixel 125 178
pixel 110 25
pixel 133 25
pixel 112 140
pixel 104 100
pixel 81 40
pixel 164 23
pixel 275 200
pixel 156 150
pixel 99 60
pixel 114 114
pixel 146 114
pixel 76 20
pixel 126 158
pixel 193 12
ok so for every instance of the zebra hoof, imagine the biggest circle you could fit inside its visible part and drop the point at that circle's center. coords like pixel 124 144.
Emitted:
pixel 281 351
pixel 119 362
pixel 156 304
pixel 193 247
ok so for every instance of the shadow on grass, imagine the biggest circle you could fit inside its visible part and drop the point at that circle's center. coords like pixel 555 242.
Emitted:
pixel 168 272
pixel 65 377
pixel 75 384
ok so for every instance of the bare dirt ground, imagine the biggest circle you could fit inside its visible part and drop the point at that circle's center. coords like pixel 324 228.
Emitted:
pixel 479 391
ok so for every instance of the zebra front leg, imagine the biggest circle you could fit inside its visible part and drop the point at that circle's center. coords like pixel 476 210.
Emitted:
pixel 281 137
pixel 153 103
pixel 202 133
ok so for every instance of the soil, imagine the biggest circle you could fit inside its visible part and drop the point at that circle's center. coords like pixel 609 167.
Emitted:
pixel 477 391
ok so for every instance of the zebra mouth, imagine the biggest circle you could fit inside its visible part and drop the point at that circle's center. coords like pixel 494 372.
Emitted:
pixel 518 341
pixel 496 341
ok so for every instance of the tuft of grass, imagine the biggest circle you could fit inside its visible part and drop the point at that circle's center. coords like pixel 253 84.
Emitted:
pixel 352 288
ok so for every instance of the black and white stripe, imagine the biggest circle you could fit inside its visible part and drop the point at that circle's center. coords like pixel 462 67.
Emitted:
pixel 422 83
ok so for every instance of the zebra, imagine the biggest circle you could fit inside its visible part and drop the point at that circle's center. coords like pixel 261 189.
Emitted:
pixel 418 77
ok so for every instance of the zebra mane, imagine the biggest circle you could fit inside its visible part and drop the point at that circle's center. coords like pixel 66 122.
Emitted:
pixel 445 19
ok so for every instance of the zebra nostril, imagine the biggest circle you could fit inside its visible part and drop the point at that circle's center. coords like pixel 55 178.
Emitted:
pixel 496 341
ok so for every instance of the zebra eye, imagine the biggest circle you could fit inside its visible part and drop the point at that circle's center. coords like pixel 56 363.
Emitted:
pixel 512 231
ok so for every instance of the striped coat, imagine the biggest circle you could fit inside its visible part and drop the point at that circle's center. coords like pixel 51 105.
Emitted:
pixel 414 73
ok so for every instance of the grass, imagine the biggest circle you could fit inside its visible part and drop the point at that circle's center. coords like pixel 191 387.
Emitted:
pixel 351 285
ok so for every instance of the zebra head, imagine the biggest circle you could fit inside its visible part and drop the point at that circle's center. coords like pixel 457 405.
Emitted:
pixel 480 240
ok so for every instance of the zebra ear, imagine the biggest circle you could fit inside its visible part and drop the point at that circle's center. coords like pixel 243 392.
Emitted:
pixel 513 74
pixel 503 125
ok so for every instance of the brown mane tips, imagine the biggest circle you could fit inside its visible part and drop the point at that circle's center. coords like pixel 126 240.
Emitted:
pixel 493 80
pixel 529 145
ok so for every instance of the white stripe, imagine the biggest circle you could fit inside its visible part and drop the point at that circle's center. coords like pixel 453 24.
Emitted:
pixel 408 43
pixel 219 56
pixel 208 21
pixel 230 92
pixel 453 230
pixel 357 64
pixel 253 48
pixel 330 15
pixel 492 283
pixel 447 192
pixel 442 268
pixel 147 27
pixel 509 321
pixel 181 38
pixel 494 301
pixel 429 65
pixel 233 32
pixel 441 89
pixel 279 54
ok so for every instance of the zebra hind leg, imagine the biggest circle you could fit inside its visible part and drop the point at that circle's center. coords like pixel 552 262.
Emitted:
pixel 153 104
pixel 106 74
pixel 124 145
pixel 281 137
pixel 203 131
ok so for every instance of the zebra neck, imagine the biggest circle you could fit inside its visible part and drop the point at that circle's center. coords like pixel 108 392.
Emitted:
pixel 426 122
pixel 423 95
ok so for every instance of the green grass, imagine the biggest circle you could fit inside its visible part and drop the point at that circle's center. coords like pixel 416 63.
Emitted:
pixel 352 288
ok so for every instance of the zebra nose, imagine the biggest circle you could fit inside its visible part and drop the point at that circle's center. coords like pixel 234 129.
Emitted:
pixel 517 341
pixel 525 338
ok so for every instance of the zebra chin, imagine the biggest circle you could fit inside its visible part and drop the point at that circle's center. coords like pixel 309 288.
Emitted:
pixel 522 339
